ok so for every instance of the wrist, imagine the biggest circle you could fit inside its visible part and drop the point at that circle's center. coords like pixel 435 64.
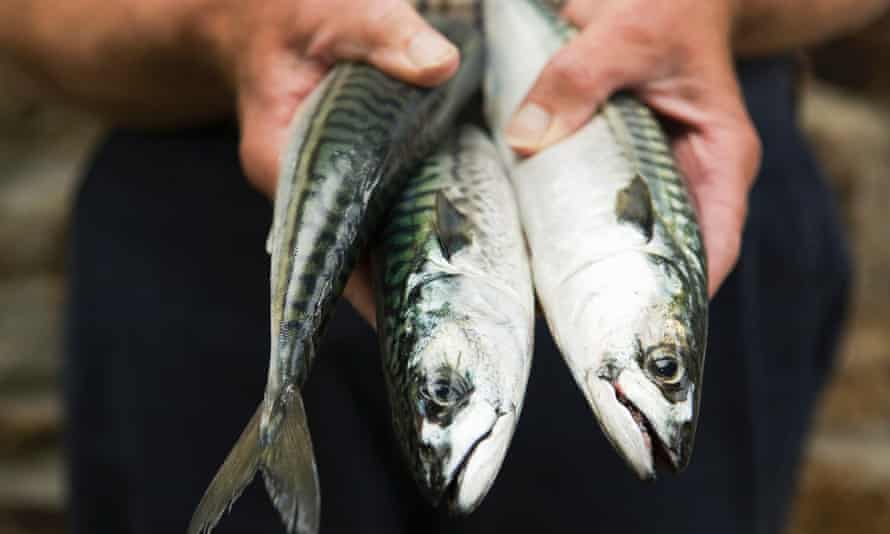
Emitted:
pixel 746 14
pixel 739 14
pixel 16 26
pixel 210 30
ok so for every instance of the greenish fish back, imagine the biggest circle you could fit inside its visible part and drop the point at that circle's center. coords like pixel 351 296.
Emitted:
pixel 646 144
pixel 365 132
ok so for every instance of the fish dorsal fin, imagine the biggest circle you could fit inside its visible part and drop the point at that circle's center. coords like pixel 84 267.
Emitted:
pixel 634 206
pixel 451 226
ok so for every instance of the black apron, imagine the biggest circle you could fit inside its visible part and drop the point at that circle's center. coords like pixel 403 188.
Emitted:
pixel 168 343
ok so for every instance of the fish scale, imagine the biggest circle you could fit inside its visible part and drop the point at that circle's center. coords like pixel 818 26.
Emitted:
pixel 455 309
pixel 350 145
pixel 330 213
pixel 410 225
pixel 617 256
pixel 636 127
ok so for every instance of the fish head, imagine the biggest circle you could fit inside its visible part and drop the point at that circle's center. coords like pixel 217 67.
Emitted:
pixel 650 343
pixel 464 410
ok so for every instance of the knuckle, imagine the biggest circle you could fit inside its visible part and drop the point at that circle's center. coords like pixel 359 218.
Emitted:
pixel 572 72
pixel 356 29
pixel 638 35
pixel 382 18
pixel 322 43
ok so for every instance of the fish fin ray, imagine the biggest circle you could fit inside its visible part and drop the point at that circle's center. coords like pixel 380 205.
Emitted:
pixel 236 473
pixel 288 467
pixel 451 226
pixel 634 206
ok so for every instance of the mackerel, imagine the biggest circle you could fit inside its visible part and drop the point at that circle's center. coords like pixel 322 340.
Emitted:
pixel 457 307
pixel 352 141
pixel 617 256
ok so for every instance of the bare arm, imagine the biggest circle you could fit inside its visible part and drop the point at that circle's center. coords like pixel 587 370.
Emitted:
pixel 168 62
pixel 130 60
pixel 175 61
pixel 768 26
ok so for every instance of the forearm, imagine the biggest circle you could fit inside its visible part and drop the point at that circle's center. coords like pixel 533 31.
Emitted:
pixel 768 26
pixel 131 60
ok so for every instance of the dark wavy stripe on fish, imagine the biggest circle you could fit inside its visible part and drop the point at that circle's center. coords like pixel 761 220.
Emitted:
pixel 361 130
pixel 651 151
pixel 411 223
pixel 465 10
pixel 454 301
pixel 366 130
pixel 639 131
pixel 469 10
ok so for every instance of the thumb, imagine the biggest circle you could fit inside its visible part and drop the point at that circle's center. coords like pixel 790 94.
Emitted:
pixel 571 87
pixel 393 37
pixel 566 94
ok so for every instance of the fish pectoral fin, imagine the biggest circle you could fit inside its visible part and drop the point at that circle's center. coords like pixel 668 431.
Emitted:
pixel 451 226
pixel 288 467
pixel 235 474
pixel 634 206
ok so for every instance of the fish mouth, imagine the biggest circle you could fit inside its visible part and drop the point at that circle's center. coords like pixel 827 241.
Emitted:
pixel 662 455
pixel 629 429
pixel 464 483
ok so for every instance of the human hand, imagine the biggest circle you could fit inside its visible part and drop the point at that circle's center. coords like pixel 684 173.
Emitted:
pixel 676 56
pixel 276 52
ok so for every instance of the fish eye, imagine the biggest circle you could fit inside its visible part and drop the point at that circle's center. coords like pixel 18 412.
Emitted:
pixel 665 367
pixel 440 392
pixel 445 388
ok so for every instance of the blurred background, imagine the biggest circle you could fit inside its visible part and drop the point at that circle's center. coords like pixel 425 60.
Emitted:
pixel 845 482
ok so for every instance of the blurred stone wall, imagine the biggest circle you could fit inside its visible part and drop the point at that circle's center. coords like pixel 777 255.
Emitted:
pixel 41 149
pixel 845 484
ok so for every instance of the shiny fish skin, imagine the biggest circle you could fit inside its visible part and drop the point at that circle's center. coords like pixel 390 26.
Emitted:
pixel 352 142
pixel 366 130
pixel 456 304
pixel 467 10
pixel 617 256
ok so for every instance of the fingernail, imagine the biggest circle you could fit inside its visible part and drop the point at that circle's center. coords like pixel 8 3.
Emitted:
pixel 528 126
pixel 428 49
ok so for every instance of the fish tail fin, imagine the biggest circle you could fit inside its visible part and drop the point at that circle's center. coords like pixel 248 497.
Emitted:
pixel 287 462
pixel 288 467
pixel 235 474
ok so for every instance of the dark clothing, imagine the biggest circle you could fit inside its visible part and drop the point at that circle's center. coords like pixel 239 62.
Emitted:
pixel 169 340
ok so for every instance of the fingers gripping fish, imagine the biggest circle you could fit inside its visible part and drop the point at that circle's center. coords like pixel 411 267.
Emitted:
pixel 351 143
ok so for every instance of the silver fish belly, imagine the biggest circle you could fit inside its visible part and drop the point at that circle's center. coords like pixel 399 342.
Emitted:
pixel 617 257
pixel 352 142
pixel 456 304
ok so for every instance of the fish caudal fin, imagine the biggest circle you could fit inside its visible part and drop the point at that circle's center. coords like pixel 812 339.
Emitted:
pixel 288 466
pixel 235 474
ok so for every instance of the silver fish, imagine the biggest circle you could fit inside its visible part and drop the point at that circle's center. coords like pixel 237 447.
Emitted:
pixel 464 9
pixel 352 142
pixel 617 257
pixel 467 10
pixel 457 307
